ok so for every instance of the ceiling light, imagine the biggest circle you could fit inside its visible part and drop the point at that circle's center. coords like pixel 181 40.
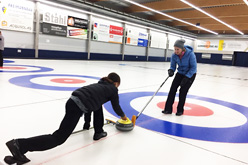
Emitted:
pixel 246 2
pixel 197 8
pixel 174 18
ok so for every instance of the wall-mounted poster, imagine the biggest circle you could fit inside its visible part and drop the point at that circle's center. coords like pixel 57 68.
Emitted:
pixel 77 27
pixel 158 40
pixel 207 45
pixel 115 34
pixel 137 38
pixel 143 39
pixel 132 37
pixel 222 45
pixel 54 23
pixel 107 33
pixel 53 29
pixel 101 32
pixel 17 15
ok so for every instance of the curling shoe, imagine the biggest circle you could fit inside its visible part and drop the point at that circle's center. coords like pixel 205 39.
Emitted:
pixel 179 113
pixel 166 112
pixel 15 151
pixel 98 136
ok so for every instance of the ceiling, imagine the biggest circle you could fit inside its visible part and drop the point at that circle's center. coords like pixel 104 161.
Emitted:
pixel 232 12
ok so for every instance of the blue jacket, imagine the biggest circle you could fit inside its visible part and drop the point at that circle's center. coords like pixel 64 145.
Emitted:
pixel 187 65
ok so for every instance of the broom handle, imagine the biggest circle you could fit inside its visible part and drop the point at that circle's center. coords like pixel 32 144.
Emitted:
pixel 151 98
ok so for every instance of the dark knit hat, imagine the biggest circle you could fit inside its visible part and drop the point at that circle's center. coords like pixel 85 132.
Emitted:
pixel 179 43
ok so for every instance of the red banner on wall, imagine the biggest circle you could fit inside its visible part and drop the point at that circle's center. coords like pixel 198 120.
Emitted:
pixel 115 30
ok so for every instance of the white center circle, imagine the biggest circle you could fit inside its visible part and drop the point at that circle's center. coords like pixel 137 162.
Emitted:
pixel 46 80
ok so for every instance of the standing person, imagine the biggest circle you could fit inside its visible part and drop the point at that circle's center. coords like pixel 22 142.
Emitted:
pixel 86 99
pixel 184 57
pixel 1 48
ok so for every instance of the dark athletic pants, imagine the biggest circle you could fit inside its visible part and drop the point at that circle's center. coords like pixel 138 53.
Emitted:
pixel 182 93
pixel 98 120
pixel 45 142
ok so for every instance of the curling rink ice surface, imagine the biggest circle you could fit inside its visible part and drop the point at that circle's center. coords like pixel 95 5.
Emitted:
pixel 213 130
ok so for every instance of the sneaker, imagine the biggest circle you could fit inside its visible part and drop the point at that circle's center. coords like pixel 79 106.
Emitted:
pixel 179 113
pixel 15 151
pixel 166 112
pixel 98 136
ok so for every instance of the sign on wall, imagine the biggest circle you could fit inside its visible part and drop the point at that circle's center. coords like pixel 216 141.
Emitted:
pixel 222 45
pixel 115 34
pixel 143 39
pixel 77 27
pixel 107 33
pixel 53 29
pixel 101 32
pixel 137 38
pixel 17 15
pixel 158 40
pixel 58 23
pixel 54 23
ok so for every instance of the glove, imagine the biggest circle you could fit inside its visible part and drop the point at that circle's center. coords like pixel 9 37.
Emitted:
pixel 170 72
pixel 184 81
pixel 124 118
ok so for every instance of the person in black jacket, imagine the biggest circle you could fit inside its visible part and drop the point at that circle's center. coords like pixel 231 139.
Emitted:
pixel 83 100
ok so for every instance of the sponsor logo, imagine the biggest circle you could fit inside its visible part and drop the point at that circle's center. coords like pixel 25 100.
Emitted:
pixel 55 18
pixel 20 27
pixel 116 30
pixel 103 25
pixel 80 21
pixel 4 23
pixel 77 22
pixel 70 21
pixel 141 34
pixel 207 45
pixel 19 7
pixel 77 32
pixel 4 9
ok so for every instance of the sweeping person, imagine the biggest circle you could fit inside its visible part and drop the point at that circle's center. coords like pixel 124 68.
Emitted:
pixel 184 57
pixel 83 100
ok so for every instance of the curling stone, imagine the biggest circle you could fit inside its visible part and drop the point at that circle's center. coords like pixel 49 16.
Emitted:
pixel 124 125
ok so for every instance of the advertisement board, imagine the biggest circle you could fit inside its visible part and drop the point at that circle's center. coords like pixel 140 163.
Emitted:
pixel 134 37
pixel 57 22
pixel 77 27
pixel 17 15
pixel 53 29
pixel 101 32
pixel 115 34
pixel 222 45
pixel 54 22
pixel 158 40
pixel 107 33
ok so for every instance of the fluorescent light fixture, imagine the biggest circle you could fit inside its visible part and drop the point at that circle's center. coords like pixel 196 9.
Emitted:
pixel 155 11
pixel 197 8
pixel 246 2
